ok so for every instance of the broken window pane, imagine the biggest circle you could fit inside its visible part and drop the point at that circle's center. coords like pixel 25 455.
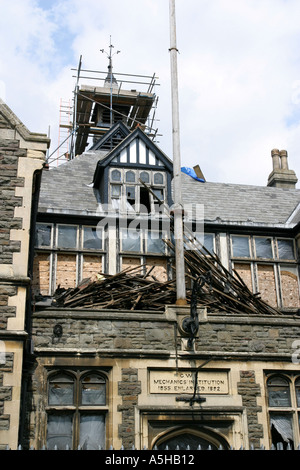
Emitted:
pixel 240 247
pixel 130 193
pixel 61 391
pixel 286 249
pixel 92 238
pixel 59 431
pixel 43 235
pixel 281 429
pixel 67 236
pixel 263 247
pixel 92 432
pixel 279 392
pixel 93 391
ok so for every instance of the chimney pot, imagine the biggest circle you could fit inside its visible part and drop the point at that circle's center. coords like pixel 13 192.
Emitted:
pixel 284 159
pixel 276 159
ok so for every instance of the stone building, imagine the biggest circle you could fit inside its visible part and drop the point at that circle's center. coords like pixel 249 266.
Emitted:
pixel 22 156
pixel 103 376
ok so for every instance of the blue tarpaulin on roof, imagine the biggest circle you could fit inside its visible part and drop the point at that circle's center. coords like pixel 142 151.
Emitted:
pixel 192 173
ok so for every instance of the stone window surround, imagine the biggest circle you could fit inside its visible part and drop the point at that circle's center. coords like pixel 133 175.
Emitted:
pixel 76 409
pixel 292 411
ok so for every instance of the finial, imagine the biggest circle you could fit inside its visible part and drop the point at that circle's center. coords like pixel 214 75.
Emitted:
pixel 110 79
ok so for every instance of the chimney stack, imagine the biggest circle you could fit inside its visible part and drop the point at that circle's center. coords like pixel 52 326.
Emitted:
pixel 281 176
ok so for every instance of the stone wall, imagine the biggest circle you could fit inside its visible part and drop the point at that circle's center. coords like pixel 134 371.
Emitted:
pixel 149 331
pixel 5 395
pixel 22 155
pixel 9 180
pixel 250 390
pixel 129 388
pixel 129 342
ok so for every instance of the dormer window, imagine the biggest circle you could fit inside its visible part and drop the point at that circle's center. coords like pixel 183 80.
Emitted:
pixel 127 187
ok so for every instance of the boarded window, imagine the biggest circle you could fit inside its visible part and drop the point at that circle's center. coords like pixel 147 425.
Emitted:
pixel 128 263
pixel 91 266
pixel 66 269
pixel 289 287
pixel 244 271
pixel 266 284
pixel 159 271
pixel 41 274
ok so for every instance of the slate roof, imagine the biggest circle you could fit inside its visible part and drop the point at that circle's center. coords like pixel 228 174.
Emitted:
pixel 68 189
pixel 236 203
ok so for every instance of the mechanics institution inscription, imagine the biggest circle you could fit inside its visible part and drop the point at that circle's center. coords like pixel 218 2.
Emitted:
pixel 209 382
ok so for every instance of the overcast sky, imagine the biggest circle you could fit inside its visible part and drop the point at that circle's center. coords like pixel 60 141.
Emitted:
pixel 239 72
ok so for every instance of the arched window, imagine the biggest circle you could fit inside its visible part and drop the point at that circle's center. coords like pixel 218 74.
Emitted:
pixel 76 411
pixel 278 392
pixel 116 175
pixel 130 177
pixel 93 390
pixel 192 438
pixel 158 178
pixel 144 176
pixel 61 390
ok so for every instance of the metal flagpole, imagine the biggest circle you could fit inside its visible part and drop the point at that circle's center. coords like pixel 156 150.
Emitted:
pixel 178 209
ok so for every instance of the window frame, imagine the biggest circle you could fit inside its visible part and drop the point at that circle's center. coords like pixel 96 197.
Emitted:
pixel 293 410
pixel 77 409
pixel 79 252
pixel 64 248
pixel 275 261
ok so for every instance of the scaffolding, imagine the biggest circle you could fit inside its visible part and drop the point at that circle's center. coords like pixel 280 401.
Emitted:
pixel 78 123
pixel 64 131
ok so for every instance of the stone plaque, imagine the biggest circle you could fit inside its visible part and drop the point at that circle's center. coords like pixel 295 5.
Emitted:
pixel 177 382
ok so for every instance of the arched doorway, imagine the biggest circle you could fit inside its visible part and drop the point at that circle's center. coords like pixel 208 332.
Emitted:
pixel 181 438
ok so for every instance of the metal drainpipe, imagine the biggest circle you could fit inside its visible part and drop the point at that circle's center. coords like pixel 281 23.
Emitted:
pixel 178 210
